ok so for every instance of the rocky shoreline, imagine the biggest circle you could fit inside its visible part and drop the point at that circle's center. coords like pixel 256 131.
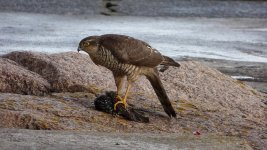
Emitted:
pixel 56 92
pixel 251 73
pixel 47 100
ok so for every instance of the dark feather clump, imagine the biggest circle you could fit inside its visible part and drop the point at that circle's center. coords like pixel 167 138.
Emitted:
pixel 106 103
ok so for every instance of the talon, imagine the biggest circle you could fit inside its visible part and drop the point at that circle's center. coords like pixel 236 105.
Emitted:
pixel 120 101
pixel 119 98
pixel 115 105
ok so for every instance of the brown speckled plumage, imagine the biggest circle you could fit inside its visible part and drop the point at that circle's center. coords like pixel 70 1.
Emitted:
pixel 126 56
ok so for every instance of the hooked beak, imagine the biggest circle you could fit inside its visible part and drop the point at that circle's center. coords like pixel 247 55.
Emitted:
pixel 79 49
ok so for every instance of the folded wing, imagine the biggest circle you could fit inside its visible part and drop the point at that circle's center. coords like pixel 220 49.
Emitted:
pixel 131 51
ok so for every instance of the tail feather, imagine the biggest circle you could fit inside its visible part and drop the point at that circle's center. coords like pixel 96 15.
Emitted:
pixel 169 62
pixel 154 79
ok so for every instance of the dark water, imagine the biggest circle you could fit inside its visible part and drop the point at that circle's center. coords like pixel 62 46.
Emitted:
pixel 174 8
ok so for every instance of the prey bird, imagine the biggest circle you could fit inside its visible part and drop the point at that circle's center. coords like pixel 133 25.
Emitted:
pixel 129 57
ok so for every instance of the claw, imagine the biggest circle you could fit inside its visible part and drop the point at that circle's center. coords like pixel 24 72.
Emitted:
pixel 120 101
pixel 119 98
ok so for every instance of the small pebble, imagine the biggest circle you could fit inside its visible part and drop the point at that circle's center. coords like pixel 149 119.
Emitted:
pixel 196 133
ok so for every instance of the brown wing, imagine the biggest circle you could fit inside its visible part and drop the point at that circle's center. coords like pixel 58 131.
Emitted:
pixel 132 51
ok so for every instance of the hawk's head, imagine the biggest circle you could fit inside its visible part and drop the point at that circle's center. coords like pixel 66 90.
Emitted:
pixel 89 44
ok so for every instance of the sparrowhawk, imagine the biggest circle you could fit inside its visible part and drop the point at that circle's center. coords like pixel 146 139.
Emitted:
pixel 130 57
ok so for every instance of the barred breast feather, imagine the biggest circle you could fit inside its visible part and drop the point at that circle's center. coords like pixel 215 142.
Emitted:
pixel 105 58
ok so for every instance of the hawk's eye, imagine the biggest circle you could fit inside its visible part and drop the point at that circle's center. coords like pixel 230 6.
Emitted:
pixel 86 44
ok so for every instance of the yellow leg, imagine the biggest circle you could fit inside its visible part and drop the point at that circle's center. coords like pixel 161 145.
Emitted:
pixel 123 101
pixel 119 80
pixel 118 97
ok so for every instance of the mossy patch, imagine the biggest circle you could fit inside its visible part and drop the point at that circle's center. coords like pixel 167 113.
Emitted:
pixel 8 104
pixel 44 107
pixel 74 95
pixel 253 92
pixel 184 105
pixel 94 89
pixel 241 83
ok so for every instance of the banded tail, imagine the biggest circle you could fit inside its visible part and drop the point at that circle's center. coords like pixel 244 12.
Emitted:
pixel 154 79
pixel 168 62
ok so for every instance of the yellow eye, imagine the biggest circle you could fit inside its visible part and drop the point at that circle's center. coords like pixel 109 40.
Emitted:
pixel 86 44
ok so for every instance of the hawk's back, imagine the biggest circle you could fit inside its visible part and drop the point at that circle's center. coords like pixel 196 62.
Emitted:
pixel 130 50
